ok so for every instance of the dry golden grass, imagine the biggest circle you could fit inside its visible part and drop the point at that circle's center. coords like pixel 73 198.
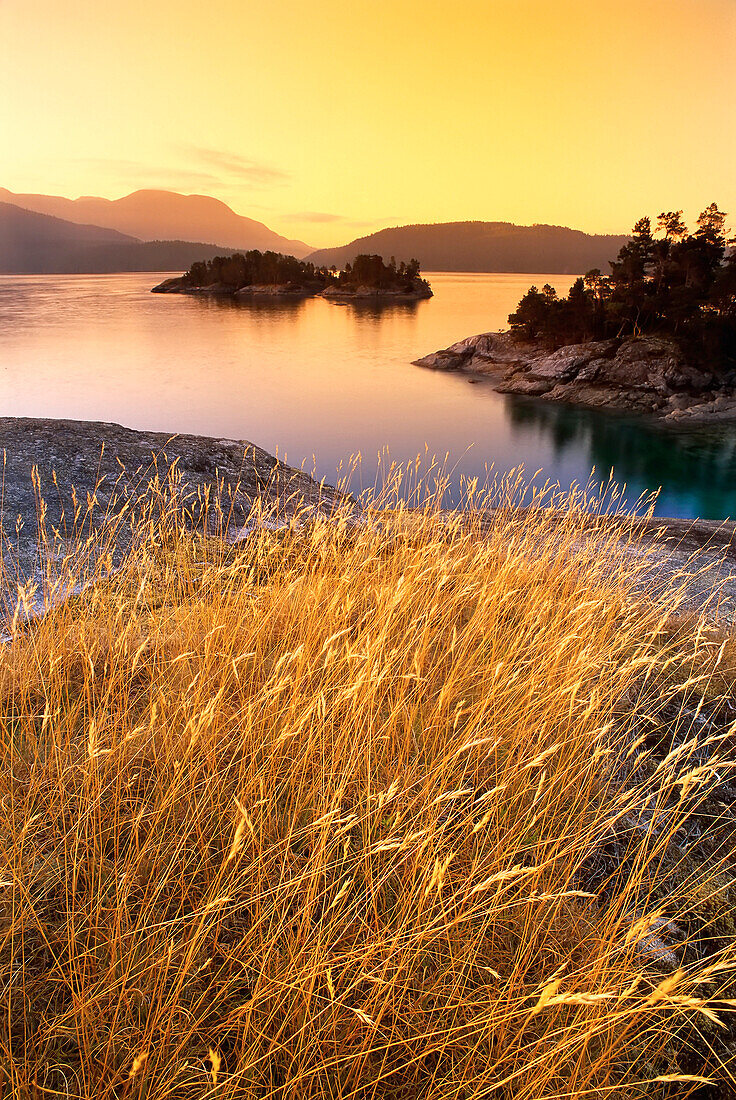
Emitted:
pixel 312 816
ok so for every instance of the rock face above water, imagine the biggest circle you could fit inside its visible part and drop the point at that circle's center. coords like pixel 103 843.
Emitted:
pixel 419 289
pixel 115 466
pixel 279 290
pixel 180 285
pixel 639 374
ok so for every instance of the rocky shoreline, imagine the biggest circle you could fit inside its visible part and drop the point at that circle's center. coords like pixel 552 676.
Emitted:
pixel 180 285
pixel 648 374
pixel 420 290
pixel 98 472
pixel 107 469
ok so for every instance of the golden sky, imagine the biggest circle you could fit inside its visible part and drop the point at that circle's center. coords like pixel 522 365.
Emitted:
pixel 328 119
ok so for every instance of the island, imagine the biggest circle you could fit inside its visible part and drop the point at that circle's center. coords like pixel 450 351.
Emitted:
pixel 369 278
pixel 255 274
pixel 249 274
pixel 657 335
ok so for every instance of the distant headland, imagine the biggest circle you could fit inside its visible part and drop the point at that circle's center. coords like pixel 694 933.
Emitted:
pixel 657 335
pixel 257 274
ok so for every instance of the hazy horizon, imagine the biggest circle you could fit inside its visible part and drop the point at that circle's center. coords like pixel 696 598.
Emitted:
pixel 329 124
pixel 336 243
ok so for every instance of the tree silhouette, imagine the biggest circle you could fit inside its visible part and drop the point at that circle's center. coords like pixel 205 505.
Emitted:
pixel 680 284
pixel 255 268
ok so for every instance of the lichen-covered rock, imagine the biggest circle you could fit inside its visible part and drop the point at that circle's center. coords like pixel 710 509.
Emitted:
pixel 485 353
pixel 568 362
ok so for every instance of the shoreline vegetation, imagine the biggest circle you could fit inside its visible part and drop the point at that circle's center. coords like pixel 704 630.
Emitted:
pixel 114 470
pixel 393 806
pixel 657 335
pixel 256 274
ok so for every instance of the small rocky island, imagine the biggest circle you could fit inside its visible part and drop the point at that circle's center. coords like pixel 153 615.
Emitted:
pixel 271 275
pixel 657 335
pixel 369 278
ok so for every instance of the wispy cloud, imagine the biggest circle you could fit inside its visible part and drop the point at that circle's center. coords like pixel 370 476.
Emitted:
pixel 235 168
pixel 194 167
pixel 320 218
pixel 135 172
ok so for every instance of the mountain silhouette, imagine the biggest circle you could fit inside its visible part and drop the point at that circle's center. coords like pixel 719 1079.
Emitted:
pixel 29 242
pixel 38 244
pixel 483 246
pixel 163 215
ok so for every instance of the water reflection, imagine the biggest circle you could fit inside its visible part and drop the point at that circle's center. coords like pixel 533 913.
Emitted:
pixel 371 309
pixel 696 465
pixel 377 309
pixel 256 308
pixel 311 377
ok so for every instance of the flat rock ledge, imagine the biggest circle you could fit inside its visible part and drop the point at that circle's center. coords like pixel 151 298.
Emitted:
pixel 636 374
pixel 115 467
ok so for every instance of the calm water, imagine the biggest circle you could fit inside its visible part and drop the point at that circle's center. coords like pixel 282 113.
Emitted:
pixel 318 381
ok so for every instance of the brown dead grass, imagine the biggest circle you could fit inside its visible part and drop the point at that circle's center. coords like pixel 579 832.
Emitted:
pixel 310 817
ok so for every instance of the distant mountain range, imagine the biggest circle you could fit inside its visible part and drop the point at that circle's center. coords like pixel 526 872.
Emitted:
pixel 164 231
pixel 163 215
pixel 483 246
pixel 38 244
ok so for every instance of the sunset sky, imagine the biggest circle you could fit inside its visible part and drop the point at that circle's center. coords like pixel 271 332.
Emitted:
pixel 328 120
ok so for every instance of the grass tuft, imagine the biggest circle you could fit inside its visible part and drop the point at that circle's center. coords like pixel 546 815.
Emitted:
pixel 390 809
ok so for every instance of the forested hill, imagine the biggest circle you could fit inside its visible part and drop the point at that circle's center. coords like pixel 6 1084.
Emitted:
pixel 483 246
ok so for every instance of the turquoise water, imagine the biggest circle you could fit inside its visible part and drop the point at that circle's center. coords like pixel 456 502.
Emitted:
pixel 318 381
